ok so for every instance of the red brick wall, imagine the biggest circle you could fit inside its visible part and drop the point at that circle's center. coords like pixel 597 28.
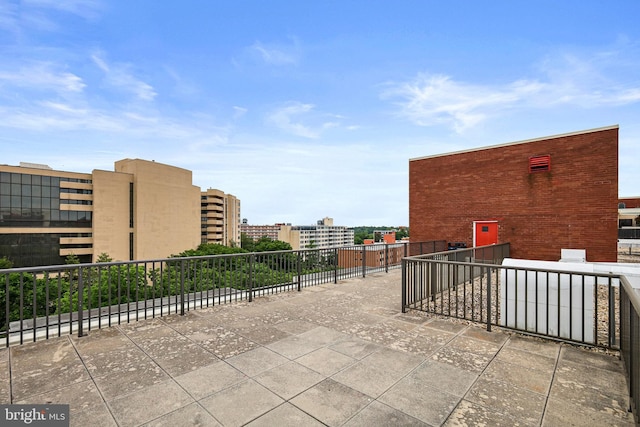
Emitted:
pixel 573 206
pixel 630 202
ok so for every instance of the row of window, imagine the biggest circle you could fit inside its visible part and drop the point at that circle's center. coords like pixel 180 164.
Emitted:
pixel 32 190
pixel 17 202
pixel 45 218
pixel 33 249
pixel 27 190
pixel 23 178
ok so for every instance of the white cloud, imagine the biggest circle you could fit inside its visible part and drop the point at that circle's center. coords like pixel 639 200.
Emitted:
pixel 433 99
pixel 239 112
pixel 43 76
pixel 302 120
pixel 283 119
pixel 87 9
pixel 276 54
pixel 35 14
pixel 120 76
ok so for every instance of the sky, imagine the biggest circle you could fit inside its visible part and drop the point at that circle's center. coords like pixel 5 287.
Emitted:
pixel 309 109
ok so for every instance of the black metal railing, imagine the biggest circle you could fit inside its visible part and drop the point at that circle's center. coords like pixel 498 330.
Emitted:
pixel 42 302
pixel 630 341
pixel 582 307
pixel 471 284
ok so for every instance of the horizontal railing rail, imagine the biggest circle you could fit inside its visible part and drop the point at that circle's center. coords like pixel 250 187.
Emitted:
pixel 41 302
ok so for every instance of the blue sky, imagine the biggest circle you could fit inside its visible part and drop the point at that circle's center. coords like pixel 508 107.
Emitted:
pixel 310 109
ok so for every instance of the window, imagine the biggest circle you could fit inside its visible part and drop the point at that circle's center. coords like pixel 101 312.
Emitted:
pixel 131 205
pixel 540 163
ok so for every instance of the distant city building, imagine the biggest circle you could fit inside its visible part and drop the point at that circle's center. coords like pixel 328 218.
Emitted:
pixel 255 232
pixel 384 236
pixel 629 218
pixel 141 210
pixel 220 219
pixel 322 235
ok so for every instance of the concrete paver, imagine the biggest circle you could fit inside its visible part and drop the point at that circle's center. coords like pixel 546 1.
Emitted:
pixel 241 403
pixel 334 354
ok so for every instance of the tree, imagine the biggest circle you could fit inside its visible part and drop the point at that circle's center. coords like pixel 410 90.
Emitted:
pixel 104 257
pixel 210 249
pixel 247 242
pixel 402 233
pixel 72 259
pixel 5 263
pixel 267 244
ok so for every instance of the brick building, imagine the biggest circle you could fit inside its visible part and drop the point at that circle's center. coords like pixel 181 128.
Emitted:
pixel 540 195
pixel 255 232
pixel 629 203
pixel 374 258
pixel 629 218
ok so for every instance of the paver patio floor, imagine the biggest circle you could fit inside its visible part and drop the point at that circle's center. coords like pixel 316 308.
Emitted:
pixel 334 354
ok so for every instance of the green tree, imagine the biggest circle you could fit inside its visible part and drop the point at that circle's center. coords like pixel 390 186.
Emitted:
pixel 247 242
pixel 267 244
pixel 104 257
pixel 210 249
pixel 402 233
pixel 72 259
pixel 5 263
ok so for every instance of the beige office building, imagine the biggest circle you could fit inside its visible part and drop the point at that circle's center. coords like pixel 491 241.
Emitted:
pixel 141 210
pixel 220 219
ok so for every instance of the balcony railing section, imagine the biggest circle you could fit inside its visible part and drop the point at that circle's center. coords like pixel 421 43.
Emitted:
pixel 472 284
pixel 592 309
pixel 42 302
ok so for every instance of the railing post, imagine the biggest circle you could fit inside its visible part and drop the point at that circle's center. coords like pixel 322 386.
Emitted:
pixel 489 313
pixel 404 285
pixel 299 267
pixel 80 302
pixel 386 257
pixel 181 287
pixel 7 306
pixel 335 265
pixel 364 260
pixel 251 260
pixel 612 315
pixel 406 249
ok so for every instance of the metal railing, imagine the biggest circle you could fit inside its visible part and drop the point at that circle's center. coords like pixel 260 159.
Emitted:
pixel 600 310
pixel 630 341
pixel 42 302
pixel 573 306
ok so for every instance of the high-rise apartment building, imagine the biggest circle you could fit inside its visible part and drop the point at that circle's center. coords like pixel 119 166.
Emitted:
pixel 322 235
pixel 141 210
pixel 220 219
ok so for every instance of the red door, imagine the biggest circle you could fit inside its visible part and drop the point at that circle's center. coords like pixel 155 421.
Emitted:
pixel 486 233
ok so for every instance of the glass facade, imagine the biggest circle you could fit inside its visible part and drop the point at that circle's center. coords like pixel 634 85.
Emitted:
pixel 34 201
pixel 33 249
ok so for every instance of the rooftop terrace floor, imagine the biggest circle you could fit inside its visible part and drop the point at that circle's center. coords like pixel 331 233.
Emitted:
pixel 333 354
